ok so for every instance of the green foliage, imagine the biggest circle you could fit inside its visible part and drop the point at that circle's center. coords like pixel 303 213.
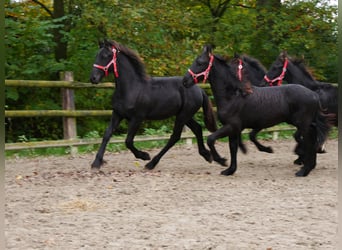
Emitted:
pixel 167 34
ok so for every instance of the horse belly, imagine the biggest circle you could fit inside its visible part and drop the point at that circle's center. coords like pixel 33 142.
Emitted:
pixel 164 107
pixel 264 115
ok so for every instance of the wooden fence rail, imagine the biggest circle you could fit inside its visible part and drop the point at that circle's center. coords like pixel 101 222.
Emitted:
pixel 69 112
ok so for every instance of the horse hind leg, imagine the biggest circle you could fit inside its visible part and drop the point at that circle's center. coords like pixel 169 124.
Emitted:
pixel 197 130
pixel 310 152
pixel 262 148
pixel 299 150
pixel 114 123
pixel 176 135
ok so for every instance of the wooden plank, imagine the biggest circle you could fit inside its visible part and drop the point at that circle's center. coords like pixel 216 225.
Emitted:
pixel 80 142
pixel 56 84
pixel 54 113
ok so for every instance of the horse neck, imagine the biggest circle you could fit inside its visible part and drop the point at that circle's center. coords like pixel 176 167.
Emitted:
pixel 295 74
pixel 220 85
pixel 256 76
pixel 129 81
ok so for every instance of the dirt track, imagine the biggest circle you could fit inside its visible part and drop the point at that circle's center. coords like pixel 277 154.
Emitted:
pixel 58 203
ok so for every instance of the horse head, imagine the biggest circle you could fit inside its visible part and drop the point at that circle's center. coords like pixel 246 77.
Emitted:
pixel 200 68
pixel 238 67
pixel 277 71
pixel 256 71
pixel 105 61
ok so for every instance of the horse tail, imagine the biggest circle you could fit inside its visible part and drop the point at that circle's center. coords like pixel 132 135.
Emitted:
pixel 323 123
pixel 208 112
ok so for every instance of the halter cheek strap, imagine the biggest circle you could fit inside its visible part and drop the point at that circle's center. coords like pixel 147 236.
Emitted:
pixel 205 73
pixel 113 61
pixel 280 77
pixel 239 73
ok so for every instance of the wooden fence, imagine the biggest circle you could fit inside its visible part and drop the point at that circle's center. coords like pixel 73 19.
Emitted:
pixel 69 114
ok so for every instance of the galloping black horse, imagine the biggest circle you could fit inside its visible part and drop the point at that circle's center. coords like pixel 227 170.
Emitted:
pixel 257 75
pixel 241 105
pixel 138 97
pixel 256 72
pixel 294 71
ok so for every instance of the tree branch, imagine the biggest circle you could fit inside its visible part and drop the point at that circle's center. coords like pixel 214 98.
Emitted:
pixel 243 6
pixel 44 7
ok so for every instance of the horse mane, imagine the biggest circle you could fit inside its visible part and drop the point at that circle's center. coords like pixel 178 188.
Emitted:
pixel 133 57
pixel 300 64
pixel 255 63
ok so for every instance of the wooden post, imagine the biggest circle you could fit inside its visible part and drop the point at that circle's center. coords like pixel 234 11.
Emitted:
pixel 188 141
pixel 69 123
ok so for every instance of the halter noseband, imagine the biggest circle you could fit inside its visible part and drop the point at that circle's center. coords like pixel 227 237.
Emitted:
pixel 113 61
pixel 280 77
pixel 205 73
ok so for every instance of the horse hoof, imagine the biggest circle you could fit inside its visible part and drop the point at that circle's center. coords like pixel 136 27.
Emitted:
pixel 96 164
pixel 321 151
pixel 143 156
pixel 207 156
pixel 298 161
pixel 150 165
pixel 228 172
pixel 302 173
pixel 221 161
pixel 269 150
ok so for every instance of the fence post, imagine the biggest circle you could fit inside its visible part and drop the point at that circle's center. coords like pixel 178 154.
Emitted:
pixel 188 140
pixel 69 123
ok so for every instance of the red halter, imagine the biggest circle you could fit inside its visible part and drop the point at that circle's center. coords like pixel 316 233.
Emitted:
pixel 280 77
pixel 205 73
pixel 113 61
pixel 239 72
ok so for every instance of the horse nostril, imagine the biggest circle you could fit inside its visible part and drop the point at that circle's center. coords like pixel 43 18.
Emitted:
pixel 92 79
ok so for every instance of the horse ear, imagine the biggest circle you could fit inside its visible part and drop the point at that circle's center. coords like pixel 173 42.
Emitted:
pixel 107 42
pixel 101 44
pixel 236 55
pixel 208 49
pixel 283 54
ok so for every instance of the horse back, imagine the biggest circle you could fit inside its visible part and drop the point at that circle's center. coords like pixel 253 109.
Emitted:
pixel 168 97
pixel 268 106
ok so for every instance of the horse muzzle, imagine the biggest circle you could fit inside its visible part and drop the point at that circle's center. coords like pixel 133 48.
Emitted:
pixel 188 81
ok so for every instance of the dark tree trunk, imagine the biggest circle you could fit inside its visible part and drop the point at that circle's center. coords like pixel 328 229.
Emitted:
pixel 61 44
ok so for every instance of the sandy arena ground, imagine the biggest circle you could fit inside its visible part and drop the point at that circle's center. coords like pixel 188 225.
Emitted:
pixel 58 203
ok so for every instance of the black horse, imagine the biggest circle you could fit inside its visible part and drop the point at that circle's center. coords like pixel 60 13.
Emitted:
pixel 138 97
pixel 294 71
pixel 258 77
pixel 256 73
pixel 241 105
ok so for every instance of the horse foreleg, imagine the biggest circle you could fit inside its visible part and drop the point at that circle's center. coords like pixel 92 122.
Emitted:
pixel 176 134
pixel 220 133
pixel 252 137
pixel 233 147
pixel 114 123
pixel 197 130
pixel 133 126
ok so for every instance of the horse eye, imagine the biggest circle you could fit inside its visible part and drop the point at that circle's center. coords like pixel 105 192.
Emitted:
pixel 201 62
pixel 106 55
